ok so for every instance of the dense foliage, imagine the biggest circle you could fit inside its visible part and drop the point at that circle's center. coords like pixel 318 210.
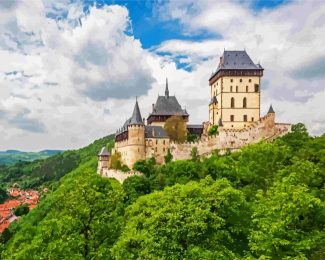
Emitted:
pixel 3 195
pixel 213 130
pixel 265 201
pixel 21 210
pixel 48 171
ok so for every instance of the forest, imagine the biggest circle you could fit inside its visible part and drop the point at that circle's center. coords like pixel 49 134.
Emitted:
pixel 265 201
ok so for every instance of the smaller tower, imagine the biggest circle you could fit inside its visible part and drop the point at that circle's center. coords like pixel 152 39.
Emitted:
pixel 103 158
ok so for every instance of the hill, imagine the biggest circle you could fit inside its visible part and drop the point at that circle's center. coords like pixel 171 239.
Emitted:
pixel 265 201
pixel 49 170
pixel 13 156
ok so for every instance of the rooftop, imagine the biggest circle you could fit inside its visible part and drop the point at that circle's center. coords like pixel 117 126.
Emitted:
pixel 155 132
pixel 237 60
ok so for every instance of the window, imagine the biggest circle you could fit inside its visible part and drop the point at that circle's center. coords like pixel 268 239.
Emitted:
pixel 244 102
pixel 256 87
pixel 164 141
pixel 156 149
pixel 246 88
pixel 232 118
pixel 232 102
pixel 240 80
pixel 236 88
pixel 164 149
pixel 230 88
pixel 156 141
pixel 245 118
pixel 231 80
pixel 252 119
pixel 250 80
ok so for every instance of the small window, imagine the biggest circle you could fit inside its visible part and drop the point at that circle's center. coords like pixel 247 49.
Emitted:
pixel 164 141
pixel 156 141
pixel 164 149
pixel 244 102
pixel 246 88
pixel 256 87
pixel 232 102
pixel 230 88
pixel 232 118
pixel 156 149
pixel 252 119
pixel 231 80
pixel 236 88
pixel 245 118
pixel 250 80
pixel 240 80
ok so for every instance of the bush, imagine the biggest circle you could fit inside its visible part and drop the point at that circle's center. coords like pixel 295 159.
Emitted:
pixel 21 210
pixel 213 130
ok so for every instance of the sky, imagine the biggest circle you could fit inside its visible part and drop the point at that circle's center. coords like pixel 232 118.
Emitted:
pixel 70 70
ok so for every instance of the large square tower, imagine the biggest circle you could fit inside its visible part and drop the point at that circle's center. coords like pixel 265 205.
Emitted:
pixel 235 91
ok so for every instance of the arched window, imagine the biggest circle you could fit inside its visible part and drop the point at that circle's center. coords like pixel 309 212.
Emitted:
pixel 246 88
pixel 230 88
pixel 232 102
pixel 244 102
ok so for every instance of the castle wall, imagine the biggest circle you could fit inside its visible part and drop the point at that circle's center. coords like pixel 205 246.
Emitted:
pixel 233 139
pixel 158 148
pixel 119 175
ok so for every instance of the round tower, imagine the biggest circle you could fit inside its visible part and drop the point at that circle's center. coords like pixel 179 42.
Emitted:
pixel 136 138
pixel 103 159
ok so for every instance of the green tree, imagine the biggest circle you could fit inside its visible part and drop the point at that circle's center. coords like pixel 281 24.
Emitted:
pixel 206 220
pixel 21 210
pixel 168 157
pixel 3 195
pixel 213 130
pixel 175 126
pixel 135 187
pixel 194 154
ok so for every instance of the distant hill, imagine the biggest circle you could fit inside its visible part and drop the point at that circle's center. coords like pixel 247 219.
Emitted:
pixel 13 156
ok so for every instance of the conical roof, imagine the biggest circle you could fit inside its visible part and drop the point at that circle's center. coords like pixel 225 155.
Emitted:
pixel 270 110
pixel 167 90
pixel 104 152
pixel 136 118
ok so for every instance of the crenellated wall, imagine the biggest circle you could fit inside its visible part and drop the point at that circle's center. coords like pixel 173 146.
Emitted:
pixel 233 139
pixel 119 175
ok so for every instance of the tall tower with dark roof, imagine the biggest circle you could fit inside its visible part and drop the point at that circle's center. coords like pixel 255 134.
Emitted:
pixel 235 91
pixel 135 149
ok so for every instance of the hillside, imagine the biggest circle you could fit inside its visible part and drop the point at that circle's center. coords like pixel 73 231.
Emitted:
pixel 14 156
pixel 49 170
pixel 265 201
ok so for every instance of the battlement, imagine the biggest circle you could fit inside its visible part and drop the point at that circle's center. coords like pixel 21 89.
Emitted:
pixel 119 175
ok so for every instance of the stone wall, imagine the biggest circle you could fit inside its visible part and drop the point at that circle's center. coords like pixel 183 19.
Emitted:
pixel 233 139
pixel 118 175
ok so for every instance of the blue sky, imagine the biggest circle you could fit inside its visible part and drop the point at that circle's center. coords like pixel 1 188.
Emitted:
pixel 70 70
pixel 151 29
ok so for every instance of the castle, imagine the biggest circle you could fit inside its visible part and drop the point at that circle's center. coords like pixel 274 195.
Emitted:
pixel 235 90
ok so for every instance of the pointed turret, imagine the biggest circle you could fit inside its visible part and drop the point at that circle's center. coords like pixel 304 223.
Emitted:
pixel 166 90
pixel 271 110
pixel 136 118
pixel 104 152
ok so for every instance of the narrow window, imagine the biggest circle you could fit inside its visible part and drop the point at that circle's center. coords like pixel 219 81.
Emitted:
pixel 232 117
pixel 246 88
pixel 236 88
pixel 256 87
pixel 240 80
pixel 244 102
pixel 164 149
pixel 252 119
pixel 164 142
pixel 245 118
pixel 230 88
pixel 250 80
pixel 156 141
pixel 156 149
pixel 232 102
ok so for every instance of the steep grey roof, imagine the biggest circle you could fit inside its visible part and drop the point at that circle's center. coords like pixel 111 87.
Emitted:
pixel 271 110
pixel 155 132
pixel 194 126
pixel 136 118
pixel 168 105
pixel 234 60
pixel 213 100
pixel 104 152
